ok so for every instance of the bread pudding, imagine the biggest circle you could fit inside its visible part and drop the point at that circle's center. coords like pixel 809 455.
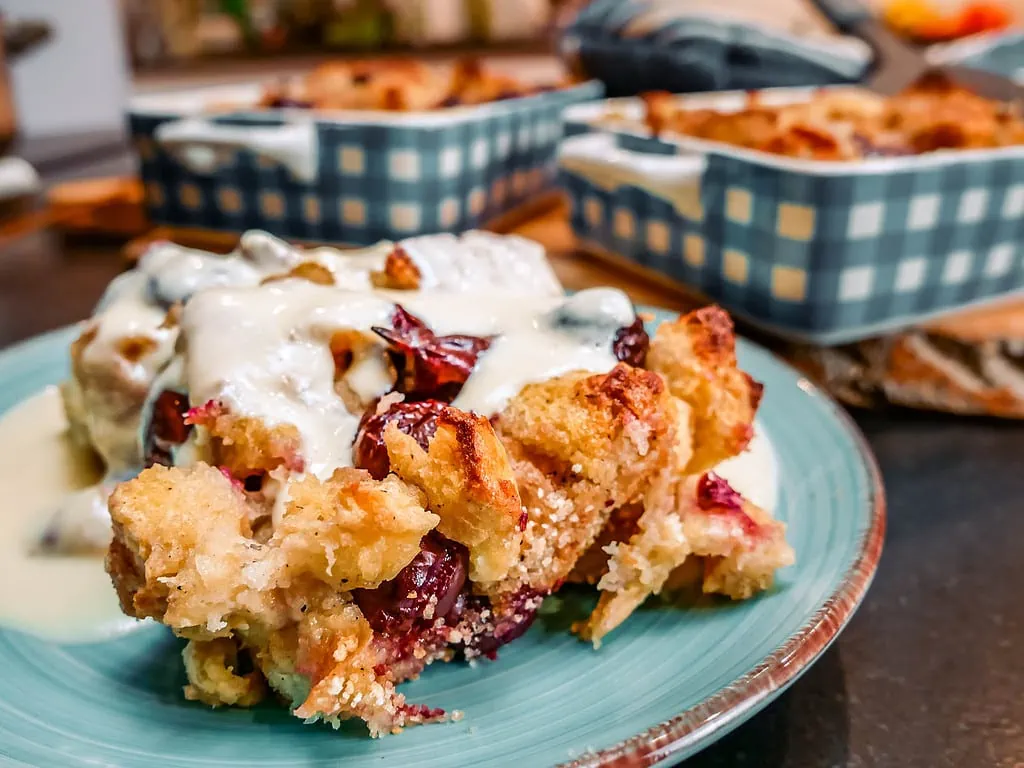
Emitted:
pixel 849 124
pixel 396 85
pixel 359 464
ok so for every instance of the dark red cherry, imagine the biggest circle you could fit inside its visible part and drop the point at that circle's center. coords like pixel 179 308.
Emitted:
pixel 425 590
pixel 418 420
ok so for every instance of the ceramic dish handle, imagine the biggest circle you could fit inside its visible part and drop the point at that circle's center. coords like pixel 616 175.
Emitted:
pixel 204 146
pixel 597 157
pixel 845 14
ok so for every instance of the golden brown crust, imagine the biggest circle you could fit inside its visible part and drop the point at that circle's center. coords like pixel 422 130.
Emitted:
pixel 741 546
pixel 246 445
pixel 351 531
pixel 581 446
pixel 696 354
pixel 468 481
pixel 585 420
pixel 400 272
pixel 930 115
pixel 311 271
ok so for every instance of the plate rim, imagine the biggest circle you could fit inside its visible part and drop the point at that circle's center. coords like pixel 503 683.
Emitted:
pixel 700 725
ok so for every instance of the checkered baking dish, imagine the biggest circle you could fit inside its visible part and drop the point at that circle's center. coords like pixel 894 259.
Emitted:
pixel 650 45
pixel 824 252
pixel 344 177
pixel 999 52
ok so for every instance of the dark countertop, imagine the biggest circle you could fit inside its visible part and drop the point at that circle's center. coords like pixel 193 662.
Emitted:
pixel 929 673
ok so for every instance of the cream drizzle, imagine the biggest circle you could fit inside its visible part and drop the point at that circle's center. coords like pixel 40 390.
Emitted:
pixel 66 599
pixel 135 305
pixel 475 259
pixel 264 351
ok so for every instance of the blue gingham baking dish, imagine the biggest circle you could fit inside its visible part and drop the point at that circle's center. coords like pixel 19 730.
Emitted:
pixel 343 177
pixel 999 52
pixel 649 45
pixel 825 252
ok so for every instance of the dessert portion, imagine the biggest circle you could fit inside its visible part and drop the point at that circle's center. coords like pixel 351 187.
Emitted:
pixel 131 336
pixel 353 473
pixel 849 124
pixel 401 85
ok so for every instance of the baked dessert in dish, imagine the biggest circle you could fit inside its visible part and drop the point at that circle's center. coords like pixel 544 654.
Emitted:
pixel 848 124
pixel 357 465
pixel 397 85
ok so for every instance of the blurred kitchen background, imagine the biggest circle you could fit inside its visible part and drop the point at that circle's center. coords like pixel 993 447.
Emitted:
pixel 68 68
pixel 98 51
pixel 93 53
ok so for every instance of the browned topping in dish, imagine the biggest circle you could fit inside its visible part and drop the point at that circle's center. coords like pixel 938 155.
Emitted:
pixel 400 272
pixel 850 124
pixel 396 86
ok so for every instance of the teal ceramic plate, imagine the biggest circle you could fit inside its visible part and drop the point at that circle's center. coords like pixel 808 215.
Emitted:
pixel 667 683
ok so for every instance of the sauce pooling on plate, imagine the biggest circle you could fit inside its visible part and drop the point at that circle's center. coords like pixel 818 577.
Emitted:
pixel 61 598
pixel 754 474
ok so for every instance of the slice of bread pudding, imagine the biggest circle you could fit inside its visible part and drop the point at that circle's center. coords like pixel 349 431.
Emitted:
pixel 344 485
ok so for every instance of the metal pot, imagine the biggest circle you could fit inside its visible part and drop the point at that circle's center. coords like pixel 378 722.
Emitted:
pixel 16 38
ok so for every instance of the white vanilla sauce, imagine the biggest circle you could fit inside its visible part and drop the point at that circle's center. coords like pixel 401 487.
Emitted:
pixel 754 473
pixel 538 341
pixel 67 599
pixel 264 351
pixel 467 262
pixel 135 304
